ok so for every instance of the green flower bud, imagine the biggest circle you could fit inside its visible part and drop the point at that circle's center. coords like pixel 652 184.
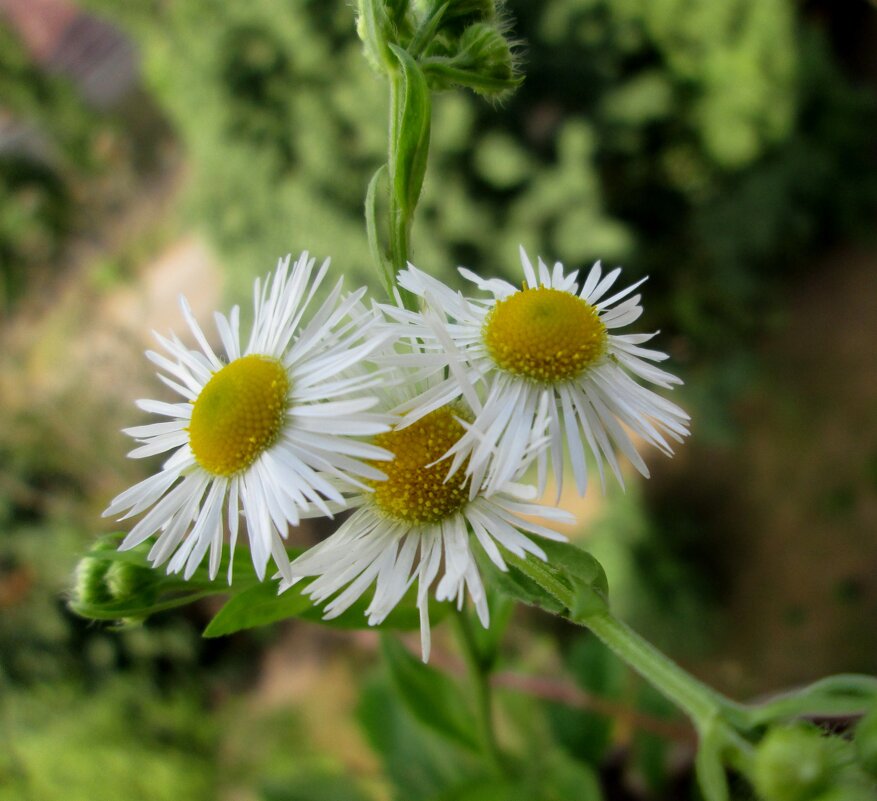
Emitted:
pixel 90 588
pixel 132 582
pixel 795 763
pixel 482 59
pixel 109 584
pixel 865 742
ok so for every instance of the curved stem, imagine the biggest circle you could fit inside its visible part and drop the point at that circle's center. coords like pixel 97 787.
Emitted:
pixel 699 702
pixel 479 673
pixel 842 695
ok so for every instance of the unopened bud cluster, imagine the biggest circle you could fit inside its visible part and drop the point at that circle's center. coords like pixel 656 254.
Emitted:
pixel 456 43
pixel 801 762
pixel 107 581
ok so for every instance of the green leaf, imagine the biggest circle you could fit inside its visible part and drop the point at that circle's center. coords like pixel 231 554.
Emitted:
pixel 257 606
pixel 431 696
pixel 584 573
pixel 419 763
pixel 570 583
pixel 262 605
pixel 566 779
pixel 587 735
pixel 489 640
pixel 487 789
pixel 516 584
pixel 371 227
pixel 374 29
pixel 410 133
pixel 650 753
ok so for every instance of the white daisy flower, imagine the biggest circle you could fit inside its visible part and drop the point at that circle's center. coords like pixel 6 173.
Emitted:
pixel 267 429
pixel 549 345
pixel 421 526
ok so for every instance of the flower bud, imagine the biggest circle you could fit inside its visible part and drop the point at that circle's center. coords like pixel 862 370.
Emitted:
pixel 795 763
pixel 481 59
pixel 108 584
pixel 89 588
pixel 129 582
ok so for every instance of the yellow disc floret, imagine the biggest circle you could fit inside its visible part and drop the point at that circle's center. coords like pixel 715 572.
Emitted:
pixel 238 414
pixel 544 334
pixel 416 490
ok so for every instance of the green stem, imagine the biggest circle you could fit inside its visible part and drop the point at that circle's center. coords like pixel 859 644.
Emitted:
pixel 842 695
pixel 479 673
pixel 399 233
pixel 697 700
pixel 400 221
pixel 701 703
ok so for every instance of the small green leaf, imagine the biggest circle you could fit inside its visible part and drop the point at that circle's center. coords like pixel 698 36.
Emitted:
pixel 430 695
pixel 516 584
pixel 262 605
pixel 410 133
pixel 257 606
pixel 584 573
pixel 374 29
pixel 571 582
pixel 371 227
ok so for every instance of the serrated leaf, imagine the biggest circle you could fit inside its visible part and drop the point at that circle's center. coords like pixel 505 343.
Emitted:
pixel 411 133
pixel 433 698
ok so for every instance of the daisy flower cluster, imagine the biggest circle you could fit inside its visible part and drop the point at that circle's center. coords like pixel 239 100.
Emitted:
pixel 421 423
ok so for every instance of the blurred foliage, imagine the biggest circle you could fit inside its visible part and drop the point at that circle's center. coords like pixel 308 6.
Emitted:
pixel 123 742
pixel 35 201
pixel 702 142
pixel 421 764
pixel 65 167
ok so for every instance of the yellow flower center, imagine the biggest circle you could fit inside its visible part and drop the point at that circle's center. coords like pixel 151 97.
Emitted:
pixel 416 490
pixel 238 414
pixel 544 334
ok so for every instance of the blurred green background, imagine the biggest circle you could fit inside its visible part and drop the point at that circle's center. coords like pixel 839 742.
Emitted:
pixel 726 149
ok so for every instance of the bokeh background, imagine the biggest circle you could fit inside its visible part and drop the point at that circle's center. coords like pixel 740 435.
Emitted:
pixel 726 149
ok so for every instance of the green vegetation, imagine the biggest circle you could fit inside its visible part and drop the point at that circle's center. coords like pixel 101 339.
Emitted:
pixel 716 146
